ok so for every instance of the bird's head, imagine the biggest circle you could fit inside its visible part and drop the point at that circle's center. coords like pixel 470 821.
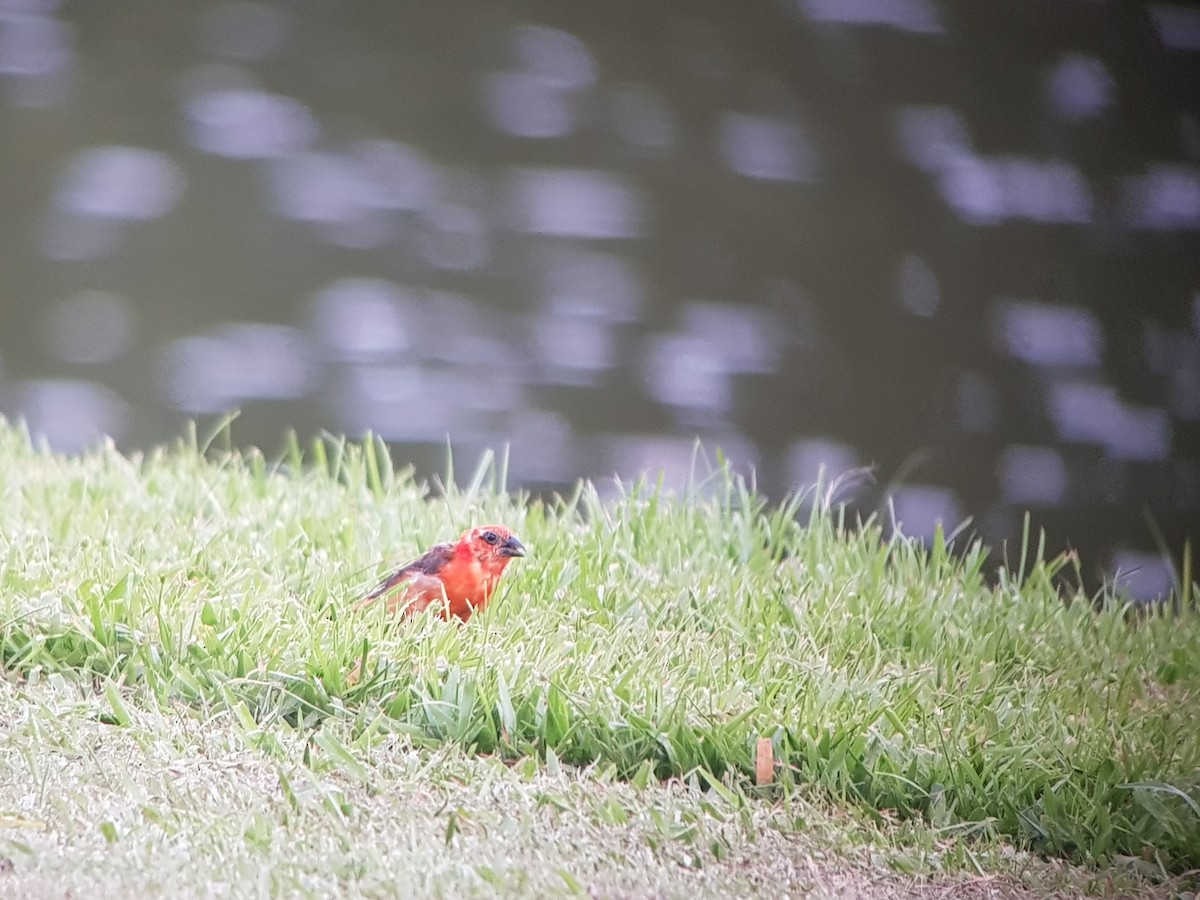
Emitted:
pixel 493 545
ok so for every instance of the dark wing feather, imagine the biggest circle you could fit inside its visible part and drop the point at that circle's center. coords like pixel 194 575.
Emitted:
pixel 429 564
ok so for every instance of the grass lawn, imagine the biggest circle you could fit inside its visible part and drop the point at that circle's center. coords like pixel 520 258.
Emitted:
pixel 175 717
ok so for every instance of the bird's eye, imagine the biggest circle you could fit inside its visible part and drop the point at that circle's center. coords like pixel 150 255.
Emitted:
pixel 491 537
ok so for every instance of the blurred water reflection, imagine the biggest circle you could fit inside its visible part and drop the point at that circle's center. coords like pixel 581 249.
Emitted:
pixel 246 123
pixel 236 362
pixel 1178 25
pixel 1042 334
pixel 919 16
pixel 35 53
pixel 70 415
pixel 1031 477
pixel 91 327
pixel 772 149
pixel 959 244
pixel 574 203
pixel 102 188
pixel 1080 87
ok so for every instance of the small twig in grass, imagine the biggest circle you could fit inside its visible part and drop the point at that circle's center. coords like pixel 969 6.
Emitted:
pixel 764 762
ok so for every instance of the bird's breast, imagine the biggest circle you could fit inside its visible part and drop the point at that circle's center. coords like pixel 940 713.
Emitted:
pixel 468 587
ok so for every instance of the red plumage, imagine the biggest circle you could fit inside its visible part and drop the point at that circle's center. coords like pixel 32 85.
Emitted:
pixel 457 578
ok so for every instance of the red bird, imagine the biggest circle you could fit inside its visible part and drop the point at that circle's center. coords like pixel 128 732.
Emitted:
pixel 459 578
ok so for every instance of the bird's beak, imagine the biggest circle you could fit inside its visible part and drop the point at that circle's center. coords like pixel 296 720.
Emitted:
pixel 512 547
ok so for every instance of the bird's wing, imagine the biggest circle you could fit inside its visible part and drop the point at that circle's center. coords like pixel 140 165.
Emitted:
pixel 420 576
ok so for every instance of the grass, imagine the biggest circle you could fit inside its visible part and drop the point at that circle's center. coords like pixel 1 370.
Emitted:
pixel 176 631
